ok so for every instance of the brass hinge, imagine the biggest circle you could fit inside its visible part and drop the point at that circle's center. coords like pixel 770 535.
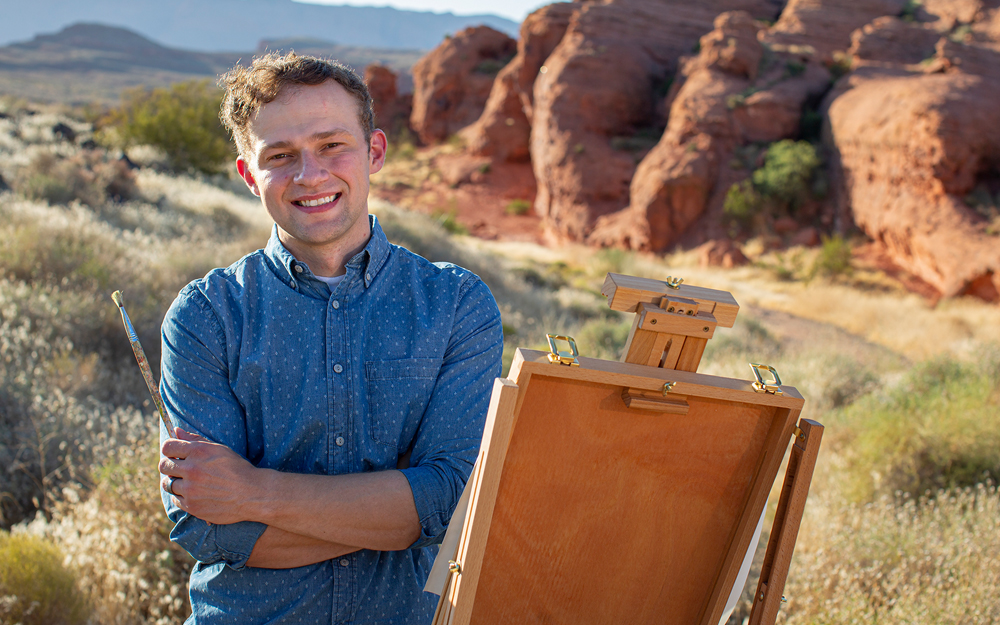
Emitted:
pixel 563 357
pixel 772 387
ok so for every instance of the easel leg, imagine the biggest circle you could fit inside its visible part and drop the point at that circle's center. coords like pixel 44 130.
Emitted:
pixel 787 518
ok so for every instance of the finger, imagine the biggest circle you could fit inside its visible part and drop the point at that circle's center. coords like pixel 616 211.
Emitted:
pixel 174 448
pixel 169 467
pixel 184 435
pixel 171 489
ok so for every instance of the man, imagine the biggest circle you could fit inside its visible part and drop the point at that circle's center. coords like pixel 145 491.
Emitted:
pixel 330 389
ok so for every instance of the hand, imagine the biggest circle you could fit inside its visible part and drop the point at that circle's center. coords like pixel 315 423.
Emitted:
pixel 213 483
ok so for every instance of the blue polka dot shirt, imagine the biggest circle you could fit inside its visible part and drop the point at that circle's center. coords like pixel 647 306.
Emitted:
pixel 398 359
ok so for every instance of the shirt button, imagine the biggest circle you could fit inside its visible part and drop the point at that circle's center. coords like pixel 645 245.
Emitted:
pixel 294 286
pixel 337 368
pixel 336 304
pixel 345 562
pixel 339 441
pixel 299 268
pixel 368 277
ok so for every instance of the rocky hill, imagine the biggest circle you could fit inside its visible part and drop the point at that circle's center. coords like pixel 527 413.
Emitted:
pixel 87 63
pixel 235 25
pixel 648 122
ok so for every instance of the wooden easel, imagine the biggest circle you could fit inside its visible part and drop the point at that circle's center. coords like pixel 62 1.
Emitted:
pixel 658 491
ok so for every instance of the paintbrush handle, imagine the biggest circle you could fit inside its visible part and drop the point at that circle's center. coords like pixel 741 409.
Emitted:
pixel 140 357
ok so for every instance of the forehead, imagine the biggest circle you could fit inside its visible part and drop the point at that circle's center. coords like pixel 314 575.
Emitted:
pixel 306 109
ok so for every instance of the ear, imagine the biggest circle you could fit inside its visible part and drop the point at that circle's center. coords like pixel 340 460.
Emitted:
pixel 376 151
pixel 244 169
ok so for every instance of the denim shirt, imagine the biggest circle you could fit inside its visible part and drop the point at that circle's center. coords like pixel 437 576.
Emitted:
pixel 398 359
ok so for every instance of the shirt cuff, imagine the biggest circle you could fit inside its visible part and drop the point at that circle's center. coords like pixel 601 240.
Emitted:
pixel 236 540
pixel 210 544
pixel 434 496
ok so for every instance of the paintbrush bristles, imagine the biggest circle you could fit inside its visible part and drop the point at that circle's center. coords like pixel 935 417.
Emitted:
pixel 117 297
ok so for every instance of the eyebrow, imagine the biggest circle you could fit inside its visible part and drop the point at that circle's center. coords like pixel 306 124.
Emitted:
pixel 316 136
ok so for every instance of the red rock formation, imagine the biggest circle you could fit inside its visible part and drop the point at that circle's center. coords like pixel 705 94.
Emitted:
pixel 392 111
pixel 452 82
pixel 711 115
pixel 600 83
pixel 825 26
pixel 891 40
pixel 504 127
pixel 721 253
pixel 911 147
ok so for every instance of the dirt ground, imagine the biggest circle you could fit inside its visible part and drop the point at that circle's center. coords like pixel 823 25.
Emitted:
pixel 491 201
pixel 494 201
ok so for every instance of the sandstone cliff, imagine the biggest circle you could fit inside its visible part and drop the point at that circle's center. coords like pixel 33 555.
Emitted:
pixel 636 116
pixel 918 145
pixel 451 84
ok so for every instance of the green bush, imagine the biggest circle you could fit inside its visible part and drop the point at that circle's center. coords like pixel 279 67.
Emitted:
pixel 834 258
pixel 939 428
pixel 182 120
pixel 603 338
pixel 742 204
pixel 517 207
pixel 778 188
pixel 787 171
pixel 35 587
pixel 91 178
pixel 449 221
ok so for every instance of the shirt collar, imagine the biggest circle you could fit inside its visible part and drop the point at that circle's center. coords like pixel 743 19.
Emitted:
pixel 368 262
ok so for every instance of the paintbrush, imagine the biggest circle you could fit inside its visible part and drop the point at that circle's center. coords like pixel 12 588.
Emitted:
pixel 140 357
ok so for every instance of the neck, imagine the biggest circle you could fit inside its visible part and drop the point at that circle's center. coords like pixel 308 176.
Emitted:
pixel 330 259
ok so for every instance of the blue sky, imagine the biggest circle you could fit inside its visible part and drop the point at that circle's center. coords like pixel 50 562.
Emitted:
pixel 511 9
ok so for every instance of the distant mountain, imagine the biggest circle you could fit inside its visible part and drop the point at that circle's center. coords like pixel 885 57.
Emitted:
pixel 233 25
pixel 94 63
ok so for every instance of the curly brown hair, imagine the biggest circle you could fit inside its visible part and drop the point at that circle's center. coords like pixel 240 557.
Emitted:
pixel 249 88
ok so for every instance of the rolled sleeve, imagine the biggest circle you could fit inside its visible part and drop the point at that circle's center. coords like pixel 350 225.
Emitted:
pixel 448 440
pixel 196 393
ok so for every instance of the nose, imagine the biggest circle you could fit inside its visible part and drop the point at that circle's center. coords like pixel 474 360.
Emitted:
pixel 311 170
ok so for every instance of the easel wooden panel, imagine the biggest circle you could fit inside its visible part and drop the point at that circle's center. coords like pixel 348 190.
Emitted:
pixel 606 514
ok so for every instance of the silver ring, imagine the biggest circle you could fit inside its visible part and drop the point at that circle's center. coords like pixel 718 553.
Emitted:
pixel 170 486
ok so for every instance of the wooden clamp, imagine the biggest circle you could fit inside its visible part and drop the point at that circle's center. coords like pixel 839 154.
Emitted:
pixel 672 325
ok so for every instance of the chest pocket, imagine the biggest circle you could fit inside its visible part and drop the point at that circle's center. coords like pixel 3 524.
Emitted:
pixel 398 392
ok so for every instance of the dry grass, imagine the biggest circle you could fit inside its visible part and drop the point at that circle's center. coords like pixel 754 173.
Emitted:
pixel 76 427
pixel 930 560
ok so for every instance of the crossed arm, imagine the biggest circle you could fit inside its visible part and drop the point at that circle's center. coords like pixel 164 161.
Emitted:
pixel 309 518
pixel 227 509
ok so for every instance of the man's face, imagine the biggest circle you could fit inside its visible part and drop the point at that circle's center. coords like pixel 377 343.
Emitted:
pixel 308 161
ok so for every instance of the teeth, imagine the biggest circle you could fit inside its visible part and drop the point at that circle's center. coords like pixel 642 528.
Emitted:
pixel 322 200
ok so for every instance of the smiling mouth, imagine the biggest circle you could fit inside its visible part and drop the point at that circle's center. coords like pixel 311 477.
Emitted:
pixel 321 201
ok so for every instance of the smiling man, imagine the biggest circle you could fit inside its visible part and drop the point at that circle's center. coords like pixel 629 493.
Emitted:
pixel 330 389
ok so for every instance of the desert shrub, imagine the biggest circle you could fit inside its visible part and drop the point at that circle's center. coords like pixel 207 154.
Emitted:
pixel 182 120
pixel 930 560
pixel 449 221
pixel 117 537
pixel 69 385
pixel 788 169
pixel 778 188
pixel 938 428
pixel 90 177
pixel 747 340
pixel 611 260
pixel 742 204
pixel 35 586
pixel 517 207
pixel 603 338
pixel 834 258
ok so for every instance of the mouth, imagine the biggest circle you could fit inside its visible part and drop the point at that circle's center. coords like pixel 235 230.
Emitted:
pixel 318 202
